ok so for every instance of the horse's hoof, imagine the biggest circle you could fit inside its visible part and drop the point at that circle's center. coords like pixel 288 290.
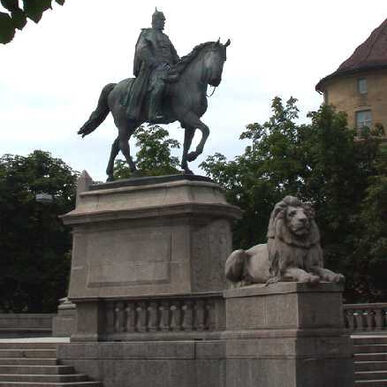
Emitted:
pixel 188 172
pixel 192 156
pixel 110 178
pixel 136 173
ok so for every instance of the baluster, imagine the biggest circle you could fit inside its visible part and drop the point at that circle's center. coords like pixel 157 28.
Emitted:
pixel 199 315
pixel 110 317
pixel 210 321
pixel 369 319
pixel 152 316
pixel 378 319
pixel 164 316
pixel 130 316
pixel 350 318
pixel 176 316
pixel 119 317
pixel 187 324
pixel 141 317
pixel 359 320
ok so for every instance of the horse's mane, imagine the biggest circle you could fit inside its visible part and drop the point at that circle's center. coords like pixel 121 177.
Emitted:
pixel 187 59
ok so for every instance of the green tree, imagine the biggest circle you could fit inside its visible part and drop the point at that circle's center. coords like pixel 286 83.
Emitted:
pixel 154 156
pixel 34 244
pixel 320 162
pixel 16 17
pixel 268 170
pixel 372 245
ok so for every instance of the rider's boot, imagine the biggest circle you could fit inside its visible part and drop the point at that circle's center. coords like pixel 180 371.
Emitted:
pixel 155 116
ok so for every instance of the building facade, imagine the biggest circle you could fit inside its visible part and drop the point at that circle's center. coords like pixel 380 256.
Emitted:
pixel 359 86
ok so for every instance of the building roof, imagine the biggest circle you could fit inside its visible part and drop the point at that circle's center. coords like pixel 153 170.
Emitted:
pixel 370 55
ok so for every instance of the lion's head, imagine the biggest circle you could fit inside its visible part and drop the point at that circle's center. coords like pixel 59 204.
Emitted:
pixel 292 221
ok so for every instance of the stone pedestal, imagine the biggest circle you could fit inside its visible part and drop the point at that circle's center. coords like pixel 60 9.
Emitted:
pixel 145 237
pixel 287 335
pixel 64 323
pixel 148 284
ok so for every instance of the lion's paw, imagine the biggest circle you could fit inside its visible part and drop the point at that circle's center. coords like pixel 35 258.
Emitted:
pixel 338 278
pixel 310 279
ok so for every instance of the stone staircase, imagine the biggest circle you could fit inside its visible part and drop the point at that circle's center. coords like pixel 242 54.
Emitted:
pixel 35 364
pixel 370 361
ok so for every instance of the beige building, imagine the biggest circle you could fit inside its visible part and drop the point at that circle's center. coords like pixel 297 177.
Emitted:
pixel 359 86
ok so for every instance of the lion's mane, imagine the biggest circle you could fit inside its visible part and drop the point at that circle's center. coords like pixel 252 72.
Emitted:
pixel 285 248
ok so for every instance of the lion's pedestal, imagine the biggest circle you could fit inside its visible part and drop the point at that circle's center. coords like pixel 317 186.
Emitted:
pixel 287 335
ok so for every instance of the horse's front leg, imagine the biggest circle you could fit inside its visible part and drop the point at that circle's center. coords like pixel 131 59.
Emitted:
pixel 188 135
pixel 194 122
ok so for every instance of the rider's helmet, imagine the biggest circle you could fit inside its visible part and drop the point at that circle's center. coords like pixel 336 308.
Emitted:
pixel 158 19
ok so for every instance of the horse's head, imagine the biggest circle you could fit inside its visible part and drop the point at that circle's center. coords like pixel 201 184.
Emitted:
pixel 214 59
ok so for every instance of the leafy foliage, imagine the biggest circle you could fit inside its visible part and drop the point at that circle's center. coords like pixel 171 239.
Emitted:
pixel 154 155
pixel 322 163
pixel 17 16
pixel 34 244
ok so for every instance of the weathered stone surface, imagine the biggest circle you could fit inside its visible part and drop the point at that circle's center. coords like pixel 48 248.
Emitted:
pixel 25 324
pixel 287 334
pixel 146 364
pixel 64 323
pixel 163 238
pixel 285 305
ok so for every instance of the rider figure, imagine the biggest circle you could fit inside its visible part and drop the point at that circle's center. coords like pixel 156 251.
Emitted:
pixel 153 59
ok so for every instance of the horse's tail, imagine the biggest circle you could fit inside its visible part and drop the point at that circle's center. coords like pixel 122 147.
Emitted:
pixel 99 114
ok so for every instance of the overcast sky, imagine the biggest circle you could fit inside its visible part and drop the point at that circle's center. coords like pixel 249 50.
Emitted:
pixel 52 72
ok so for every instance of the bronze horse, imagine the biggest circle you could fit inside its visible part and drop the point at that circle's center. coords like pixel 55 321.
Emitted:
pixel 185 101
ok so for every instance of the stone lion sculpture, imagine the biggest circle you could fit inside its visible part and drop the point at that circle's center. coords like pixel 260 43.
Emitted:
pixel 292 252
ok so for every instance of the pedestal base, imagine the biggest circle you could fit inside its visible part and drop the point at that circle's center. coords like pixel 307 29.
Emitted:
pixel 148 255
pixel 287 335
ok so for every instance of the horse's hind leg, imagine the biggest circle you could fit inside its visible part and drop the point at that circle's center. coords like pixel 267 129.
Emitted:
pixel 188 135
pixel 124 133
pixel 113 154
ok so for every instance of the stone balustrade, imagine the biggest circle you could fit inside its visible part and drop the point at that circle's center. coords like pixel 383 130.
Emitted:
pixel 165 314
pixel 25 324
pixel 146 317
pixel 365 317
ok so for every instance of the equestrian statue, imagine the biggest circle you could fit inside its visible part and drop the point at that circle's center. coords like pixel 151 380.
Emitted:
pixel 165 89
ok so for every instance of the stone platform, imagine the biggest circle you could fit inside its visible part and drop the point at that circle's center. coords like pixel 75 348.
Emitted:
pixel 147 279
pixel 287 334
pixel 137 239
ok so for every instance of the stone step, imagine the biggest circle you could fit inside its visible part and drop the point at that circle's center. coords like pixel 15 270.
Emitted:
pixel 35 384
pixel 36 378
pixel 368 375
pixel 368 383
pixel 27 345
pixel 370 348
pixel 369 340
pixel 370 365
pixel 371 356
pixel 28 361
pixel 37 369
pixel 41 353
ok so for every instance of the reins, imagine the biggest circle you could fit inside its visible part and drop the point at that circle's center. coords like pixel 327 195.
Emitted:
pixel 213 91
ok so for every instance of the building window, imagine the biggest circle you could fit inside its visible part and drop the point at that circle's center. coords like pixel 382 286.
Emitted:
pixel 362 86
pixel 363 118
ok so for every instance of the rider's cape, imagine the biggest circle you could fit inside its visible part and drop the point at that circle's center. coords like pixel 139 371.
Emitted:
pixel 139 86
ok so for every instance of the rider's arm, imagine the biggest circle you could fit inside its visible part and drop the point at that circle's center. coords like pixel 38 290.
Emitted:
pixel 176 57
